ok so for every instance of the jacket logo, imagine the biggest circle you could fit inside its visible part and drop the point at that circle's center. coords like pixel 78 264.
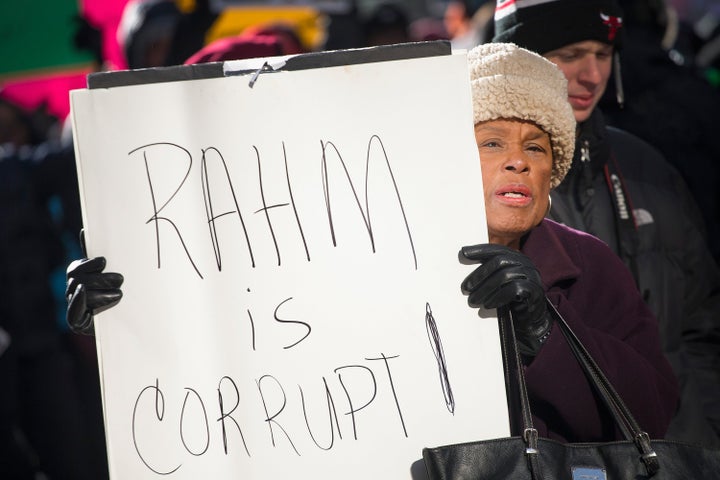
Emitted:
pixel 613 23
pixel 642 217
pixel 619 197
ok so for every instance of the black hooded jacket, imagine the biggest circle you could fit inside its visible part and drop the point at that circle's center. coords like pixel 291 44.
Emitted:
pixel 663 243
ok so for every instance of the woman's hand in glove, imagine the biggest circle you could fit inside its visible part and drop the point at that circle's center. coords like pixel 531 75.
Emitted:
pixel 507 278
pixel 89 291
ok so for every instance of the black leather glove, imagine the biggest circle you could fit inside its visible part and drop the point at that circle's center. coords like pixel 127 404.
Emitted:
pixel 507 278
pixel 89 291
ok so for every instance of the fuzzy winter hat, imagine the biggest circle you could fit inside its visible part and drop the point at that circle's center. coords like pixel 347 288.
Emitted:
pixel 510 82
pixel 546 25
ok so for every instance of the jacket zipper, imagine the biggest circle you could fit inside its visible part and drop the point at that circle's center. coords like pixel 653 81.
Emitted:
pixel 587 169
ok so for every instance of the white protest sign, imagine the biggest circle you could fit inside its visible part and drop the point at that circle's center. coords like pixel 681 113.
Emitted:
pixel 292 302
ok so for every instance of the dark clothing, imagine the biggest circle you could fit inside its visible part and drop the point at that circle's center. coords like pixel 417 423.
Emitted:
pixel 30 248
pixel 666 250
pixel 596 295
pixel 675 109
pixel 44 421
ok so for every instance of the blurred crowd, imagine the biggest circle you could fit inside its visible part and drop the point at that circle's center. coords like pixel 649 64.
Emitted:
pixel 50 408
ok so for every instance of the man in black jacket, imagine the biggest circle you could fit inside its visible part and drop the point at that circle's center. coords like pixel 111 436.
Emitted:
pixel 669 103
pixel 623 191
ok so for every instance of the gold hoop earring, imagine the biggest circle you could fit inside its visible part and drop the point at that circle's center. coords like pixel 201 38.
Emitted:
pixel 549 205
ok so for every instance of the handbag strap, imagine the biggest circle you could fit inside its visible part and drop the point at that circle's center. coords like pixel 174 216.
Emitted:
pixel 514 369
pixel 621 414
pixel 519 416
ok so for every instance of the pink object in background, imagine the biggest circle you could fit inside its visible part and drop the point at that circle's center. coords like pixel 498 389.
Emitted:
pixel 52 89
pixel 106 14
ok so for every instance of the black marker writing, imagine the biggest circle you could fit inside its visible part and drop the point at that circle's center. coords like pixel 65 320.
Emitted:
pixel 436 344
pixel 292 202
pixel 265 207
pixel 392 387
pixel 210 211
pixel 155 218
pixel 225 415
pixel 252 328
pixel 281 320
pixel 364 211
pixel 287 415
pixel 376 139
pixel 354 410
pixel 159 414
pixel 205 420
pixel 271 419
pixel 170 166
pixel 332 414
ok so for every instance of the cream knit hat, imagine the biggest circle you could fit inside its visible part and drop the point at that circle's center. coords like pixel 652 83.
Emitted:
pixel 511 82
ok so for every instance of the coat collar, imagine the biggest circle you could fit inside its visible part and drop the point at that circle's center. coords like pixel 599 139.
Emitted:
pixel 591 135
pixel 544 246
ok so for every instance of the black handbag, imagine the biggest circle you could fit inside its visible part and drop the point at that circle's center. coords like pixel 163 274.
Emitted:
pixel 529 457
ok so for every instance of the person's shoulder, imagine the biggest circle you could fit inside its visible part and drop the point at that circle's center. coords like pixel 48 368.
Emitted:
pixel 627 148
pixel 639 159
pixel 565 233
pixel 578 244
pixel 622 139
pixel 561 252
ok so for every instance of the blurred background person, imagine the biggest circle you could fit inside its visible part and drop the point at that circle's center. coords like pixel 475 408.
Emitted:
pixel 668 102
pixel 387 23
pixel 50 411
pixel 146 32
pixel 468 22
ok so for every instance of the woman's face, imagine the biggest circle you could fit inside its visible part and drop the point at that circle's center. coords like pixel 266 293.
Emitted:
pixel 516 160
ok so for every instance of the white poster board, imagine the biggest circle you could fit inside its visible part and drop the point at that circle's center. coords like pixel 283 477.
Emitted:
pixel 292 304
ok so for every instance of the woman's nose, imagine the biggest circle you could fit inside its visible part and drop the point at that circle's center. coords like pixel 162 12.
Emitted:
pixel 517 163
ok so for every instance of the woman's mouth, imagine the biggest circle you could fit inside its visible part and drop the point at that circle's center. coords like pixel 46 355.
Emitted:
pixel 516 195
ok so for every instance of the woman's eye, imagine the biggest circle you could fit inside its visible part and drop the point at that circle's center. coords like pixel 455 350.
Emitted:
pixel 536 148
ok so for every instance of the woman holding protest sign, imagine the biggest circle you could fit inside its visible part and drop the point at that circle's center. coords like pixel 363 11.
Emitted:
pixel 525 133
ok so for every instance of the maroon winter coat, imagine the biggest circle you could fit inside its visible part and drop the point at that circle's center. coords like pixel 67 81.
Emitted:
pixel 595 293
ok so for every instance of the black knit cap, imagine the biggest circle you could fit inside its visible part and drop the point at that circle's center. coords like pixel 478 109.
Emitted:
pixel 546 25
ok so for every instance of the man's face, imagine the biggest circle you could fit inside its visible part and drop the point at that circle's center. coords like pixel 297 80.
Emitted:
pixel 587 66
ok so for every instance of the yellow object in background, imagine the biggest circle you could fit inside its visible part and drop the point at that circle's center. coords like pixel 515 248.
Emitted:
pixel 309 24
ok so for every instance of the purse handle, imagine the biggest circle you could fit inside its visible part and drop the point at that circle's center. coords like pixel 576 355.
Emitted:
pixel 621 414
